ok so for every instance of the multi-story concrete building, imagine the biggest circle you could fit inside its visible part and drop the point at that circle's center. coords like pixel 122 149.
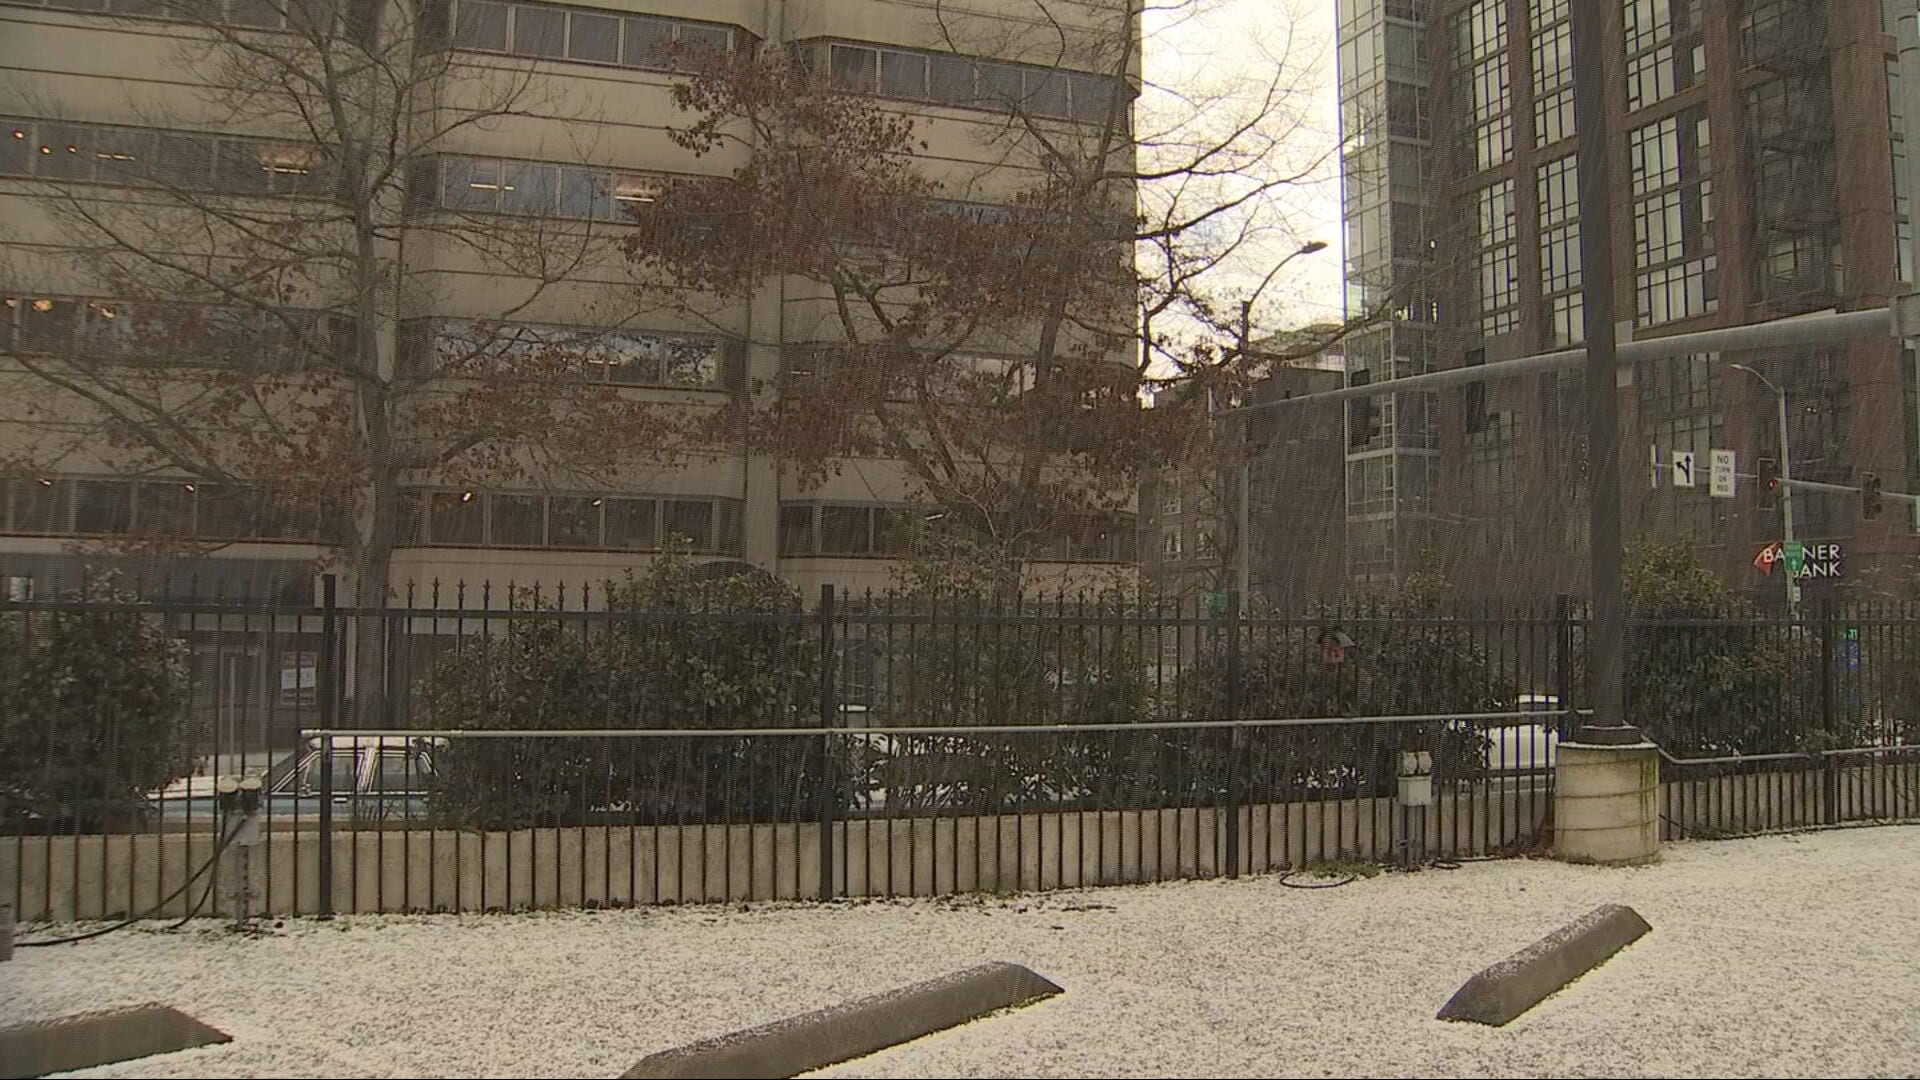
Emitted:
pixel 95 87
pixel 1756 157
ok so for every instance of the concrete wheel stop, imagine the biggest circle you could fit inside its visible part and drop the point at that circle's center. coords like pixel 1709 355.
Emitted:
pixel 100 1038
pixel 1509 988
pixel 854 1029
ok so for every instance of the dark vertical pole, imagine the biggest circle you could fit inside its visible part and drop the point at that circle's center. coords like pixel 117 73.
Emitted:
pixel 1606 640
pixel 1827 675
pixel 1234 735
pixel 827 781
pixel 327 683
pixel 1563 663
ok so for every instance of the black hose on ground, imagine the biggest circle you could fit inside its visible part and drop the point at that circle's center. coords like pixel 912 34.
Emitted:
pixel 150 912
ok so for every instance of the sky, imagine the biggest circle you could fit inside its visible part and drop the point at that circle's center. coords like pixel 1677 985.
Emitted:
pixel 1245 40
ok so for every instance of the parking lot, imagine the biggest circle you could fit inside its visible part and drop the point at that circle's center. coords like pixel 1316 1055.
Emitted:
pixel 1777 956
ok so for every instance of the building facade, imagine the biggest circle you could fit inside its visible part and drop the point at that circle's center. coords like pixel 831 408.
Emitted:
pixel 1293 472
pixel 1756 156
pixel 97 88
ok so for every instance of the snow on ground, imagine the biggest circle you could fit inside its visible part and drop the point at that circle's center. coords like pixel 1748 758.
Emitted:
pixel 1781 956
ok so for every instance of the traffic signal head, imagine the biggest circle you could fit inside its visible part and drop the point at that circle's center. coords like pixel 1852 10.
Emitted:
pixel 1870 501
pixel 1767 484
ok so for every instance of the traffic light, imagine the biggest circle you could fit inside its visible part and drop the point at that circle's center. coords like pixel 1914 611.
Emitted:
pixel 1768 486
pixel 1870 496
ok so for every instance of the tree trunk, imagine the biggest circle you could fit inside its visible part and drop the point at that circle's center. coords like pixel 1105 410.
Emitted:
pixel 373 564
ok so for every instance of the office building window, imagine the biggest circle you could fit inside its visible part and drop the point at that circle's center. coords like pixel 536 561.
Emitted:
pixel 1490 463
pixel 1496 258
pixel 1562 310
pixel 469 518
pixel 1664 54
pixel 1370 484
pixel 587 35
pixel 625 357
pixel 944 78
pixel 859 530
pixel 255 14
pixel 1479 31
pixel 153 158
pixel 1480 50
pixel 1551 49
pixel 1791 169
pixel 495 186
pixel 153 507
pixel 173 334
pixel 1677 272
pixel 1789 31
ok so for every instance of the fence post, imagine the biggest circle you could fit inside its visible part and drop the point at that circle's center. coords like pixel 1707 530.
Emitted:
pixel 1234 735
pixel 1563 664
pixel 828 782
pixel 327 686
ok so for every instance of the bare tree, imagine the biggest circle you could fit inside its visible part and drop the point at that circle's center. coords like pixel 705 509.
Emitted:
pixel 254 265
pixel 992 321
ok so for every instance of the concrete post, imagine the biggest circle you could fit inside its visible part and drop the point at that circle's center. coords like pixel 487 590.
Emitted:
pixel 1606 803
pixel 6 931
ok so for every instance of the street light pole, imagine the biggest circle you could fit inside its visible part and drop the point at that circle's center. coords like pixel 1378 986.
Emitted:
pixel 1786 476
pixel 1243 516
pixel 1606 637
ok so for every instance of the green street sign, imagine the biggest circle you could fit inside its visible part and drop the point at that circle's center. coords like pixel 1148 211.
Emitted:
pixel 1795 555
pixel 1851 633
pixel 1214 601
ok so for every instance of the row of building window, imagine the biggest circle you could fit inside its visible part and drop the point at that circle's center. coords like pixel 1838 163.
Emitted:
pixel 586 35
pixel 165 508
pixel 573 522
pixel 547 189
pixel 149 331
pixel 148 157
pixel 653 43
pixel 944 78
pixel 622 357
pixel 264 14
pixel 540 188
pixel 857 530
pixel 1680 291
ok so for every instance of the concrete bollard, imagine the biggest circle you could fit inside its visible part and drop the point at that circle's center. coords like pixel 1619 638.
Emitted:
pixel 1606 803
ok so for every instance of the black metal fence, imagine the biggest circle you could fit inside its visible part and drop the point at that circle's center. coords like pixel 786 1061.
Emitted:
pixel 483 748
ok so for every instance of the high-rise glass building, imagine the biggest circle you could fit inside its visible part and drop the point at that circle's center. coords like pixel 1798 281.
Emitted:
pixel 1756 158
